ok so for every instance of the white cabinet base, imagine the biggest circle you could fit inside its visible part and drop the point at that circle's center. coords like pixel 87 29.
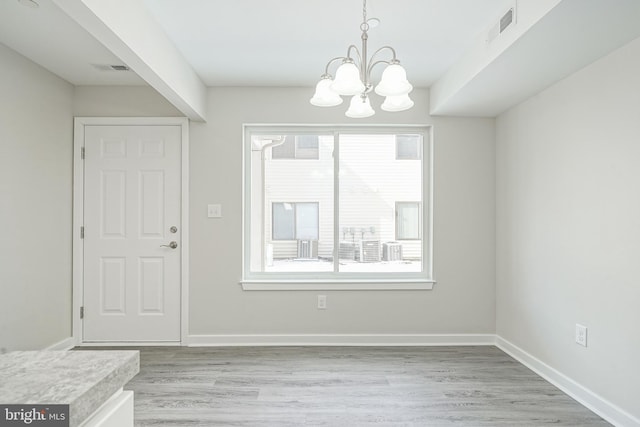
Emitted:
pixel 116 412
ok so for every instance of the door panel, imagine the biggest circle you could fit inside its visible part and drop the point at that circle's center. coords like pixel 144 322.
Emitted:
pixel 132 199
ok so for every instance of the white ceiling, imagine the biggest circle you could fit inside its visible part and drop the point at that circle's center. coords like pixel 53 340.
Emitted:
pixel 177 45
pixel 288 42
pixel 260 42
pixel 50 38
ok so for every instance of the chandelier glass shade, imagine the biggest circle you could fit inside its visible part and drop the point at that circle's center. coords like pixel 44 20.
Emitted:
pixel 360 107
pixel 397 103
pixel 354 79
pixel 324 96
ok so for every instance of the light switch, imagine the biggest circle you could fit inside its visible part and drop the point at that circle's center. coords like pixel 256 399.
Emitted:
pixel 214 211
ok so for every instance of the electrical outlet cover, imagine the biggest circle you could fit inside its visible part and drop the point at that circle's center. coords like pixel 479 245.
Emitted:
pixel 322 302
pixel 214 211
pixel 581 334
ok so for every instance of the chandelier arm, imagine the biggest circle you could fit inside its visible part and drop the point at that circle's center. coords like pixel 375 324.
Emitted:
pixel 393 53
pixel 337 58
pixel 354 47
pixel 373 64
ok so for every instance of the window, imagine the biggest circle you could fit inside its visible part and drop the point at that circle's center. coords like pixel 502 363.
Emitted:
pixel 365 213
pixel 295 221
pixel 296 147
pixel 407 147
pixel 407 220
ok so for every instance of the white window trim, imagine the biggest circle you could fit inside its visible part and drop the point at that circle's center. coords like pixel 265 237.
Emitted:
pixel 341 285
pixel 267 281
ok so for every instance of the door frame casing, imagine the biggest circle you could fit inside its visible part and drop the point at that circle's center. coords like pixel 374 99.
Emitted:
pixel 78 219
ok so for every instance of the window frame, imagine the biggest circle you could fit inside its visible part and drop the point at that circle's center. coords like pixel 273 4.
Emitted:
pixel 423 280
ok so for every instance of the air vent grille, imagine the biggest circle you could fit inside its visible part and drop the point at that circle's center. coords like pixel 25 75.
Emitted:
pixel 501 26
pixel 107 67
pixel 506 20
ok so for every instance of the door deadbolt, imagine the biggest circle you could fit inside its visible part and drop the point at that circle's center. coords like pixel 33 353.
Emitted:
pixel 171 245
pixel 173 229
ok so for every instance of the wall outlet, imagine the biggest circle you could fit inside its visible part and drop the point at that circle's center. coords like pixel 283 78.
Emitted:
pixel 581 335
pixel 214 211
pixel 322 302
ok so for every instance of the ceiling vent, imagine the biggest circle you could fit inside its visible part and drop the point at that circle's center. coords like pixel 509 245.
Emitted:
pixel 105 67
pixel 505 22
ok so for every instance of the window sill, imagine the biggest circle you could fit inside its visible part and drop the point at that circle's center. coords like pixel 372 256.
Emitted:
pixel 345 285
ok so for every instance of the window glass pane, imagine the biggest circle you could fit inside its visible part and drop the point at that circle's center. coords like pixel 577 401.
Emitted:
pixel 307 147
pixel 292 205
pixel 286 150
pixel 307 142
pixel 283 221
pixel 371 183
pixel 291 221
pixel 408 220
pixel 408 147
pixel 307 221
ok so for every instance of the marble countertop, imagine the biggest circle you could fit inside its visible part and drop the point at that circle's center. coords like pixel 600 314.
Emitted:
pixel 82 379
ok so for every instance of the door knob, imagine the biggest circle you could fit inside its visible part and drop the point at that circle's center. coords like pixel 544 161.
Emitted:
pixel 171 245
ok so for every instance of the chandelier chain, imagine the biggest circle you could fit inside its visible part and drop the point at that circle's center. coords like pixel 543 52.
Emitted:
pixel 364 10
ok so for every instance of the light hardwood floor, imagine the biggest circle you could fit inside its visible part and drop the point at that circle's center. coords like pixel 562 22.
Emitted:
pixel 346 386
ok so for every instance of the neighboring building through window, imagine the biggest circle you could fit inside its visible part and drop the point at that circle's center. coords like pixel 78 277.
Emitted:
pixel 295 221
pixel 407 220
pixel 350 211
pixel 408 147
pixel 296 147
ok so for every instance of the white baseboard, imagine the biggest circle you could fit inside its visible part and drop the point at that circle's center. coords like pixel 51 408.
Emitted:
pixel 602 407
pixel 65 344
pixel 130 344
pixel 340 340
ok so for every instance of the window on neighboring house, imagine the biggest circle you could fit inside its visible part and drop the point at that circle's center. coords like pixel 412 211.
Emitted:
pixel 296 147
pixel 350 198
pixel 294 221
pixel 407 220
pixel 408 147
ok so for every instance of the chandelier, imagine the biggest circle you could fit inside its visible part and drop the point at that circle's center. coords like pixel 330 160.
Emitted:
pixel 353 78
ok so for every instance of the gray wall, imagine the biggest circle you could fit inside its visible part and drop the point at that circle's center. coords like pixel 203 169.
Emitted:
pixel 122 101
pixel 462 300
pixel 36 127
pixel 568 234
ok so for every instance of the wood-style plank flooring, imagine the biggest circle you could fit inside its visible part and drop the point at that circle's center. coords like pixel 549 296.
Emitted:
pixel 346 386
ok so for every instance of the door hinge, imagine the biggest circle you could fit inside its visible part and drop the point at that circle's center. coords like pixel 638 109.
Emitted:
pixel 82 153
pixel 82 312
pixel 82 232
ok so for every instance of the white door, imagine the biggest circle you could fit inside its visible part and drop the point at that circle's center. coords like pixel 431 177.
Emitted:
pixel 131 233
